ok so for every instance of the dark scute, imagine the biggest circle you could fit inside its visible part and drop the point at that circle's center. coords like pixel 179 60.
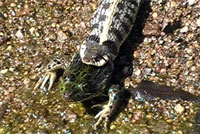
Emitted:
pixel 102 17
pixel 125 26
pixel 106 5
pixel 112 46
pixel 130 19
pixel 134 3
pixel 120 5
pixel 117 33
pixel 132 9
pixel 94 38
pixel 117 15
pixel 94 26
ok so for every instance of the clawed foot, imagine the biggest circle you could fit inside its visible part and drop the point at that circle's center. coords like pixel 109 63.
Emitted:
pixel 50 73
pixel 115 93
pixel 49 77
pixel 103 116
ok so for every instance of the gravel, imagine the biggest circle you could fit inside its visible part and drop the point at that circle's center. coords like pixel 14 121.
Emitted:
pixel 167 52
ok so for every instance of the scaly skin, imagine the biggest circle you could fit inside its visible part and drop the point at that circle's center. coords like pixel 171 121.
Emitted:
pixel 110 26
pixel 90 71
pixel 84 82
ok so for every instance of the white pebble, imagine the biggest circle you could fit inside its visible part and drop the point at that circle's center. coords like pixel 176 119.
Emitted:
pixel 32 30
pixel 191 2
pixel 19 34
pixel 4 71
pixel 184 29
pixel 198 22
pixel 155 15
pixel 138 72
pixel 179 108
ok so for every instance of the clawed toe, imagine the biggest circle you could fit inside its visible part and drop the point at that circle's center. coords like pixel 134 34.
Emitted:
pixel 114 98
pixel 50 73
pixel 103 116
pixel 49 77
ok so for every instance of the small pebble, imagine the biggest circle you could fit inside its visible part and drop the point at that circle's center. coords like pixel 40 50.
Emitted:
pixel 61 36
pixel 191 2
pixel 32 30
pixel 184 29
pixel 9 48
pixel 198 22
pixel 19 34
pixel 6 92
pixel 112 127
pixel 179 132
pixel 83 25
pixel 138 72
pixel 11 69
pixel 53 24
pixel 179 108
pixel 11 89
pixel 13 5
pixel 26 81
pixel 155 15
pixel 4 71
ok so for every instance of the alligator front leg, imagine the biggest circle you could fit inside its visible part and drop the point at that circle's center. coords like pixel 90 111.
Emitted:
pixel 50 73
pixel 115 95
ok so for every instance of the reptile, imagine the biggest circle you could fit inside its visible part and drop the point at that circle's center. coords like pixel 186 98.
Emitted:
pixel 112 22
pixel 90 71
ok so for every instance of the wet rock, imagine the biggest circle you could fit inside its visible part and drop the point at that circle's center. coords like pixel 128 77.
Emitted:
pixel 47 18
pixel 62 36
pixel 51 37
pixel 198 22
pixel 3 40
pixel 155 15
pixel 179 108
pixel 191 2
pixel 4 71
pixel 184 29
pixel 11 89
pixel 137 72
pixel 13 4
pixel 151 29
pixel 19 34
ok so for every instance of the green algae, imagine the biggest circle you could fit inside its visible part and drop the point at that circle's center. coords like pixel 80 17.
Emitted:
pixel 79 75
pixel 40 113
